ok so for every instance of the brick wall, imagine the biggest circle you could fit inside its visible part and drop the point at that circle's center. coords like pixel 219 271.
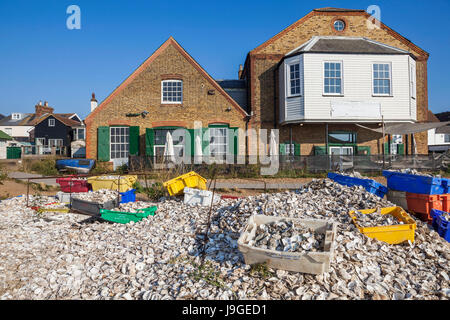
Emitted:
pixel 263 60
pixel 143 93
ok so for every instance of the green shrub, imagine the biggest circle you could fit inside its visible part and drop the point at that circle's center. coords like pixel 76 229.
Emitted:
pixel 46 167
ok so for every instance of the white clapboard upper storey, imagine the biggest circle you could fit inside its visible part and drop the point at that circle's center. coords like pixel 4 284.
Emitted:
pixel 347 79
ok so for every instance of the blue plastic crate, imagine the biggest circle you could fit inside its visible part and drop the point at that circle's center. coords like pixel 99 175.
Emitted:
pixel 440 225
pixel 370 185
pixel 416 184
pixel 128 196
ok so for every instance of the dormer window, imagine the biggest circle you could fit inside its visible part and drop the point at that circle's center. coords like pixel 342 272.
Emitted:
pixel 51 122
pixel 16 116
pixel 172 91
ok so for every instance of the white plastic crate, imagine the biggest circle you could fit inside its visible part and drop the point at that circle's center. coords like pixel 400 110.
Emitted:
pixel 202 197
pixel 305 262
pixel 64 197
pixel 398 198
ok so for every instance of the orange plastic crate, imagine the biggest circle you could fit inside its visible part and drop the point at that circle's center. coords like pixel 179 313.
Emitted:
pixel 423 203
pixel 445 198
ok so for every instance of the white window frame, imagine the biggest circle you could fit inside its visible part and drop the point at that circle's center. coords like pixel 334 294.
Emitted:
pixel 77 134
pixel 343 25
pixel 212 131
pixel 445 137
pixel 341 94
pixel 288 80
pixel 162 91
pixel 58 144
pixel 125 143
pixel 289 149
pixel 16 116
pixel 51 122
pixel 390 94
pixel 412 79
pixel 176 146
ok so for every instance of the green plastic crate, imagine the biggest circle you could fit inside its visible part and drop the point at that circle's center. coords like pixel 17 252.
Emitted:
pixel 126 217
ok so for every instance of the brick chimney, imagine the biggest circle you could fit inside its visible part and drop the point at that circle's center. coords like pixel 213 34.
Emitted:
pixel 241 69
pixel 41 109
pixel 93 102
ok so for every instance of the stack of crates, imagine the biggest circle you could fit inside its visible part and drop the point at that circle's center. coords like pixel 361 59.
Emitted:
pixel 122 184
pixel 418 194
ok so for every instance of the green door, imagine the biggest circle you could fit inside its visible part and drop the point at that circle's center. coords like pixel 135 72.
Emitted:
pixel 13 153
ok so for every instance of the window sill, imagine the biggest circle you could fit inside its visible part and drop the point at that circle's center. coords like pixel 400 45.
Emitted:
pixel 382 96
pixel 294 96
pixel 332 95
pixel 165 104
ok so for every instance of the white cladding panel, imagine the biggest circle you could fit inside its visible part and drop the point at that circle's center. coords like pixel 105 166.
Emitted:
pixel 359 109
pixel 293 106
pixel 17 131
pixel 357 87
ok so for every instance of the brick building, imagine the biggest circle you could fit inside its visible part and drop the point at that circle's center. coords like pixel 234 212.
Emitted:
pixel 309 135
pixel 315 81
pixel 169 91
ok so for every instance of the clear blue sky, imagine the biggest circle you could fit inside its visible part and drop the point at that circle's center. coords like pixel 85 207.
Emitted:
pixel 40 59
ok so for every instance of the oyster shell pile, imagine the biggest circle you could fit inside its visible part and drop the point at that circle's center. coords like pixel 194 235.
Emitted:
pixel 106 177
pixel 415 172
pixel 99 196
pixel 75 257
pixel 376 219
pixel 288 236
pixel 134 206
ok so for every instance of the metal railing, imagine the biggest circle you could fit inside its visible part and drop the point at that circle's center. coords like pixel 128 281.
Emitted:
pixel 313 164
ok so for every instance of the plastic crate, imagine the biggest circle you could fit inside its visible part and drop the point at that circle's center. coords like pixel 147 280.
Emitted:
pixel 445 198
pixel 440 225
pixel 191 180
pixel 306 262
pixel 423 203
pixel 398 198
pixel 391 234
pixel 202 197
pixel 416 184
pixel 370 185
pixel 93 208
pixel 128 196
pixel 126 183
pixel 73 185
pixel 126 217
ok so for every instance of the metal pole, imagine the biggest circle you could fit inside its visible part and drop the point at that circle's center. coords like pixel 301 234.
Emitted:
pixel 326 146
pixel 384 139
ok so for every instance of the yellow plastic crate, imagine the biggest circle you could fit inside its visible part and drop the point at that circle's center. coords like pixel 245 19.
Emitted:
pixel 391 234
pixel 191 180
pixel 126 183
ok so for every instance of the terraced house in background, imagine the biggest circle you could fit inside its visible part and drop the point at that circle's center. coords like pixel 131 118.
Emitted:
pixel 316 81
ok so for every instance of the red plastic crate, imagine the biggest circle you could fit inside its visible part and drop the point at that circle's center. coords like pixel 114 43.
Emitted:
pixel 445 198
pixel 73 185
pixel 421 204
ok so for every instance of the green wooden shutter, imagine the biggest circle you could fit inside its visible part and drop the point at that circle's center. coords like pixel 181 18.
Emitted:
pixel 205 143
pixel 282 149
pixel 296 149
pixel 149 141
pixel 401 149
pixel 319 150
pixel 386 148
pixel 234 150
pixel 103 144
pixel 190 147
pixel 134 141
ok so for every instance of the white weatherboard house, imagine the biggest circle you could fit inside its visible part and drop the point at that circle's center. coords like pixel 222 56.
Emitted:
pixel 340 81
